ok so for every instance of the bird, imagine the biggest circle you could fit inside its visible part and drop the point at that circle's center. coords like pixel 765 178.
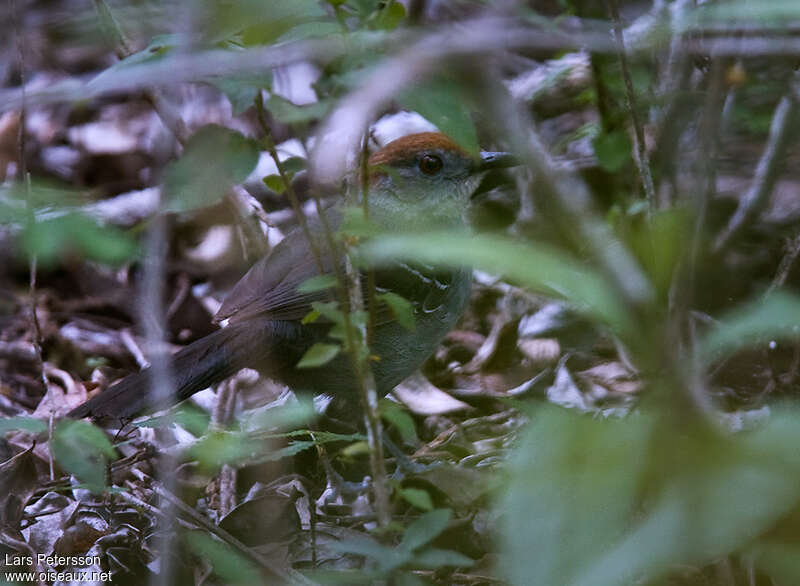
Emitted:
pixel 423 181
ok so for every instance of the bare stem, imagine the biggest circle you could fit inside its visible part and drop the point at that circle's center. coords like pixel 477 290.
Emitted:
pixel 369 392
pixel 757 197
pixel 642 158
pixel 25 176
pixel 350 300
pixel 269 142
pixel 123 48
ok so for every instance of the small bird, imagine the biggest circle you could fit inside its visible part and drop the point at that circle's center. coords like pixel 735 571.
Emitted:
pixel 419 181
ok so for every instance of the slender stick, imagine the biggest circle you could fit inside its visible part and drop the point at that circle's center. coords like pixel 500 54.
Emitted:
pixel 123 48
pixel 766 174
pixel 350 300
pixel 25 176
pixel 369 392
pixel 642 158
pixel 269 142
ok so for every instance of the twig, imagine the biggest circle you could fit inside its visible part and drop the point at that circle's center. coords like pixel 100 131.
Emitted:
pixel 757 196
pixel 269 142
pixel 369 401
pixel 706 172
pixel 220 419
pixel 195 517
pixel 467 37
pixel 365 376
pixel 493 34
pixel 642 158
pixel 364 174
pixel 350 300
pixel 25 176
pixel 150 307
pixel 566 202
pixel 785 266
pixel 169 116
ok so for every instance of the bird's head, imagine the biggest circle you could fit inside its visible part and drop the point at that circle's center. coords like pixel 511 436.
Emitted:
pixel 426 177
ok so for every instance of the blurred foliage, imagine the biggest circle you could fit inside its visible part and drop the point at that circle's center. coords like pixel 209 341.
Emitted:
pixel 83 450
pixel 215 159
pixel 608 502
pixel 226 562
pixel 413 550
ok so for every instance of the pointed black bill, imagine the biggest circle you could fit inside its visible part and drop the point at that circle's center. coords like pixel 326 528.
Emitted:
pixel 493 160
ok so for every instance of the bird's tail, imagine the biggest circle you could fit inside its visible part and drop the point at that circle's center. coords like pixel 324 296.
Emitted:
pixel 199 365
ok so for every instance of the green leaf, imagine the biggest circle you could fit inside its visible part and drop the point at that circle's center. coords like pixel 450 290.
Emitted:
pixel 329 310
pixel 613 150
pixel 572 489
pixel 292 449
pixel 390 16
pixel 254 24
pixel 227 563
pixel 776 316
pixel 241 90
pixel 778 560
pixel 286 112
pixel 443 102
pixel 766 12
pixel 59 237
pixel 388 558
pixel 418 498
pixel 318 283
pixel 318 355
pixel 29 424
pixel 289 415
pixel 537 266
pixel 433 559
pixel 222 447
pixel 311 30
pixel 215 159
pixel 84 451
pixel 401 308
pixel 399 418
pixel 425 529
pixel 194 420
pixel 606 502
pixel 275 183
pixel 364 8
pixel 294 165
pixel 158 48
pixel 310 317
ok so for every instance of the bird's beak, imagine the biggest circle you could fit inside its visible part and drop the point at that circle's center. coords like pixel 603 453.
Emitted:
pixel 493 160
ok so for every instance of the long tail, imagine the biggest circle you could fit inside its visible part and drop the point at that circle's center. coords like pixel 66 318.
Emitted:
pixel 199 365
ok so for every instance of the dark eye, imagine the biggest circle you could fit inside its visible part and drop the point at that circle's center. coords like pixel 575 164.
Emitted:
pixel 430 164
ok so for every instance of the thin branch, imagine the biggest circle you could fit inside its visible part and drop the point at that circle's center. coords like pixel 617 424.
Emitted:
pixel 30 212
pixel 369 400
pixel 350 301
pixel 757 197
pixel 566 202
pixel 269 143
pixel 364 174
pixel 123 48
pixel 476 36
pixel 642 158
pixel 151 312
pixel 366 378
pixel 786 264
pixel 201 521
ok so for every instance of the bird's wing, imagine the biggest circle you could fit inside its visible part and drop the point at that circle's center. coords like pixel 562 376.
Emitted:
pixel 270 286
pixel 269 289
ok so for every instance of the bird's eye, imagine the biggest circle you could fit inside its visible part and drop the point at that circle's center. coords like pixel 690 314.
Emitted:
pixel 430 164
